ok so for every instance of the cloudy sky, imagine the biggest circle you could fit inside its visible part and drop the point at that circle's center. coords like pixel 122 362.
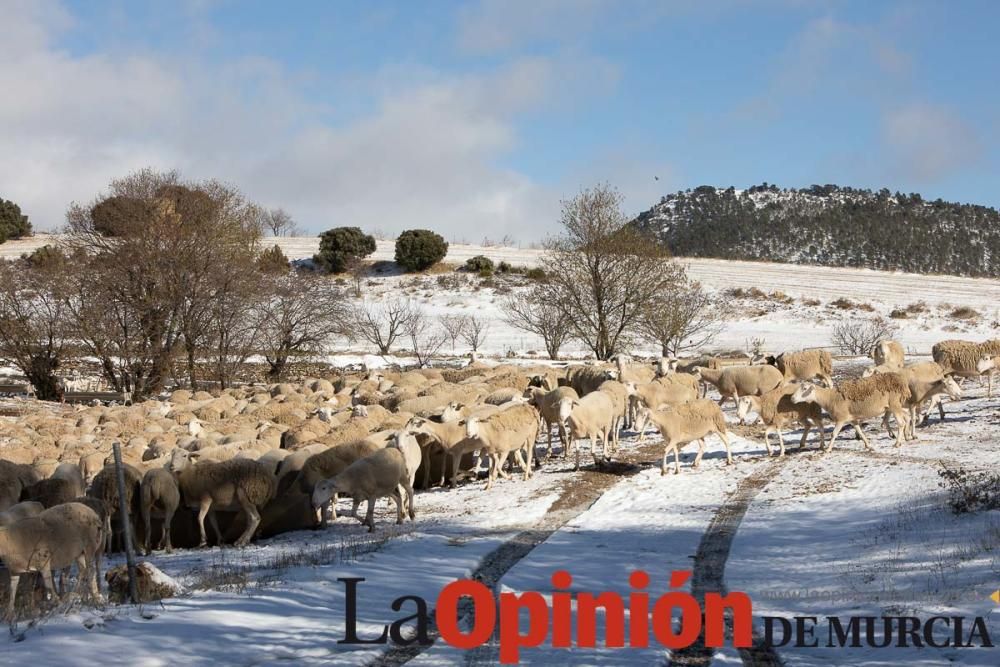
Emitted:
pixel 475 119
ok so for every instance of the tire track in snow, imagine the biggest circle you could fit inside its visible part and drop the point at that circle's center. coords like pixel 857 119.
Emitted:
pixel 578 495
pixel 710 569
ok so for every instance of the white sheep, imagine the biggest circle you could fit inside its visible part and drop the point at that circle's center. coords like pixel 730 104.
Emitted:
pixel 547 404
pixel 686 423
pixel 736 381
pixel 406 443
pixel 21 510
pixel 777 410
pixel 888 353
pixel 855 401
pixel 590 417
pixel 665 391
pixel 159 489
pixel 508 431
pixel 377 476
pixel 805 365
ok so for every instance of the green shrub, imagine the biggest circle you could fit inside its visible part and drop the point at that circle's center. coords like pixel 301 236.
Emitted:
pixel 419 249
pixel 504 267
pixel 341 246
pixel 479 264
pixel 13 224
pixel 272 260
pixel 536 273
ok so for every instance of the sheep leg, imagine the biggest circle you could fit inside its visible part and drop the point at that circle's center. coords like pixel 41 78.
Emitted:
pixel 781 442
pixel 861 434
pixel 677 459
pixel 355 503
pixel 14 580
pixel 904 423
pixel 253 518
pixel 455 458
pixel 767 443
pixel 215 526
pixel 203 508
pixel 50 588
pixel 398 498
pixel 168 518
pixel 806 426
pixel 408 488
pixel 519 458
pixel 94 577
pixel 370 515
pixel 146 522
pixel 833 436
pixel 701 452
pixel 725 441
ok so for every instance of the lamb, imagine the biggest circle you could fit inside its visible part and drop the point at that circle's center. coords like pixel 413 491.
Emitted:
pixel 686 423
pixel 777 411
pixel 377 476
pixel 739 381
pixel 52 540
pixel 590 417
pixel 235 484
pixel 888 353
pixel 507 431
pixel 21 510
pixel 158 488
pixel 855 401
pixel 547 404
pixel 805 365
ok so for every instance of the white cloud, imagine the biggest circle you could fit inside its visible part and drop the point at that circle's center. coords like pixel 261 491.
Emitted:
pixel 928 142
pixel 427 153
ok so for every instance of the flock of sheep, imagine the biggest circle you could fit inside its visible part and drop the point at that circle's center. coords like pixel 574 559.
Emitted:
pixel 256 461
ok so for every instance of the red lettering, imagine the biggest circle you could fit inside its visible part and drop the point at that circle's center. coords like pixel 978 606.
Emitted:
pixel 715 606
pixel 446 613
pixel 511 639
pixel 586 619
pixel 562 610
pixel 638 611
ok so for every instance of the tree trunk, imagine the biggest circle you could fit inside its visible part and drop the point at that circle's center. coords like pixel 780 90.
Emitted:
pixel 41 374
pixel 277 365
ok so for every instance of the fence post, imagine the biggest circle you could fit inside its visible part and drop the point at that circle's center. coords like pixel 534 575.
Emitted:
pixel 126 527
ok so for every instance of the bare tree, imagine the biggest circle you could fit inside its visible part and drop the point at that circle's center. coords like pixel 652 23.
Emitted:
pixel 426 337
pixel 453 325
pixel 602 273
pixel 531 312
pixel 298 317
pixel 279 222
pixel 475 331
pixel 233 331
pixel 859 336
pixel 682 318
pixel 155 249
pixel 382 324
pixel 35 326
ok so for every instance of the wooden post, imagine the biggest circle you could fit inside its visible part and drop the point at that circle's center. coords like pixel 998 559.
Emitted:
pixel 126 527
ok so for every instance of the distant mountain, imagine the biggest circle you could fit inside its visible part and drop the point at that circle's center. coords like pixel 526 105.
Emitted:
pixel 829 225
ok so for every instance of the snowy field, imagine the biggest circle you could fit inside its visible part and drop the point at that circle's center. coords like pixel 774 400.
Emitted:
pixel 839 534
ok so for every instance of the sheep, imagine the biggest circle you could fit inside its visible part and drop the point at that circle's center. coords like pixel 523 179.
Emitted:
pixel 377 476
pixel 590 417
pixel 960 358
pixel 21 510
pixel 630 372
pixel 668 390
pixel 105 488
pixel 804 365
pixel 776 409
pixel 888 353
pixel 329 463
pixel 739 381
pixel 14 478
pixel 272 459
pixel 52 540
pixel 619 397
pixel 585 379
pixel 158 488
pixel 90 465
pixel 857 400
pixel 686 423
pixel 407 443
pixel 447 436
pixel 547 404
pixel 53 491
pixel 235 484
pixel 927 382
pixel 507 431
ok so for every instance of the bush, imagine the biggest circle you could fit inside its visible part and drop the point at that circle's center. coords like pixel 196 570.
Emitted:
pixel 898 314
pixel 272 261
pixel 964 313
pixel 342 246
pixel 419 249
pixel 535 274
pixel 970 491
pixel 504 267
pixel 479 264
pixel 843 304
pixel 13 225
pixel 859 336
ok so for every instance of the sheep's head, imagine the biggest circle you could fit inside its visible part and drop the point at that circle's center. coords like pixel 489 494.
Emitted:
pixel 359 411
pixel 986 364
pixel 773 360
pixel 194 427
pixel 743 407
pixel 868 372
pixel 566 406
pixel 324 413
pixel 324 492
pixel 951 388
pixel 472 427
pixel 696 371
pixel 806 393
pixel 611 374
pixel 179 460
pixel 452 412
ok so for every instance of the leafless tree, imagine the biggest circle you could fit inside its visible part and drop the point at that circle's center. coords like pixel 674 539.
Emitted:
pixel 298 316
pixel 453 325
pixel 858 336
pixel 156 249
pixel 233 323
pixel 683 317
pixel 358 270
pixel 530 311
pixel 475 331
pixel 381 324
pixel 426 336
pixel 279 222
pixel 35 326
pixel 602 273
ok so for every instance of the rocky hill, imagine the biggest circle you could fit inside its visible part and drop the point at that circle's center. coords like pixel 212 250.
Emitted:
pixel 829 225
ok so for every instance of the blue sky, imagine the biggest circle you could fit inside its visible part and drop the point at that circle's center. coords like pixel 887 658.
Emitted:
pixel 476 118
